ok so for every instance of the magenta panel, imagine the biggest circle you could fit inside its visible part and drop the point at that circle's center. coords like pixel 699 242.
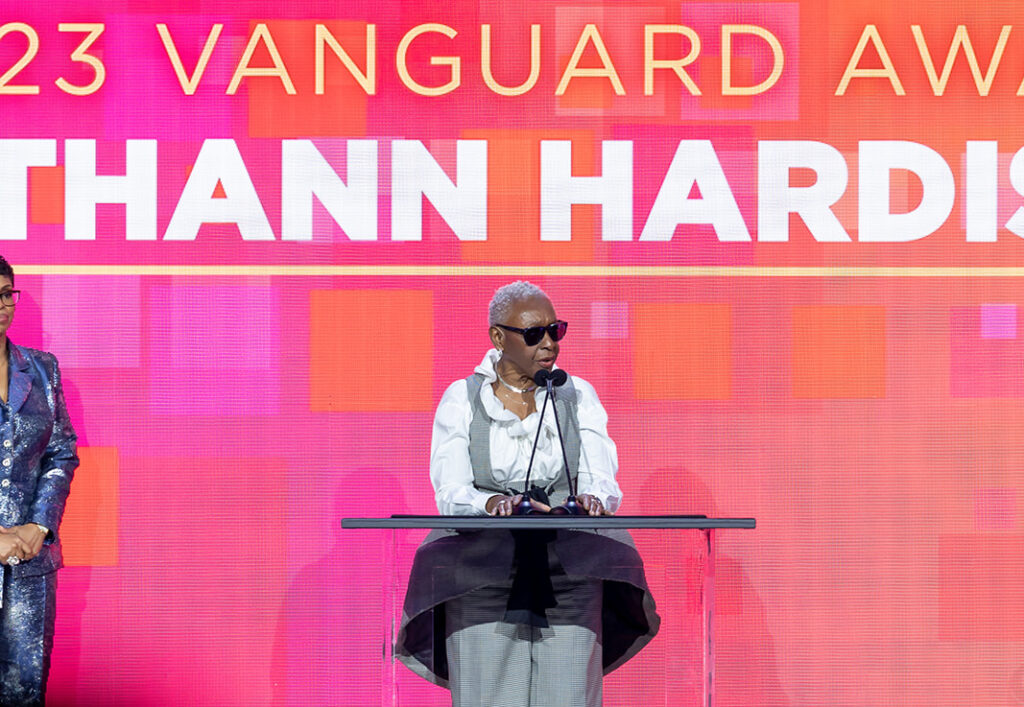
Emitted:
pixel 998 321
pixel 609 320
pixel 982 367
pixel 226 365
pixel 885 569
pixel 109 306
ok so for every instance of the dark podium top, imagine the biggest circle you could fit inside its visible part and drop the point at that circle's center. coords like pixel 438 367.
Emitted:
pixel 549 522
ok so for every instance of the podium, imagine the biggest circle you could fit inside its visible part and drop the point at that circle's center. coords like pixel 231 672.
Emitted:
pixel 394 588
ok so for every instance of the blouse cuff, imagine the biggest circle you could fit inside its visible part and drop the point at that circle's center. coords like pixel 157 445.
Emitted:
pixel 480 502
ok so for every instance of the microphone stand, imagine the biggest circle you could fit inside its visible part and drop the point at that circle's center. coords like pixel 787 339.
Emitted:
pixel 524 507
pixel 570 507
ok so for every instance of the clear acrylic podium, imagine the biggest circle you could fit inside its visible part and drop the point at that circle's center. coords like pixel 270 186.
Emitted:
pixel 394 576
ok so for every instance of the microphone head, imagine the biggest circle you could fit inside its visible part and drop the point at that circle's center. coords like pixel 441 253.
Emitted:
pixel 569 508
pixel 524 508
pixel 541 377
pixel 558 377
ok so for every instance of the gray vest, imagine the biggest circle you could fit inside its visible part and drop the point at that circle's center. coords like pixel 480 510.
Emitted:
pixel 480 440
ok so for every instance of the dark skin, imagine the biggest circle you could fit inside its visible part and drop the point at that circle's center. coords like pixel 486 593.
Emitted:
pixel 517 366
pixel 21 541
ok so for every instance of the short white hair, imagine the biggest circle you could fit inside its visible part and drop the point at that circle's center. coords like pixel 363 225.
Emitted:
pixel 507 296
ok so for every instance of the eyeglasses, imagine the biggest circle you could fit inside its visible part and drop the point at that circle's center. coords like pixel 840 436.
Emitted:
pixel 535 334
pixel 9 298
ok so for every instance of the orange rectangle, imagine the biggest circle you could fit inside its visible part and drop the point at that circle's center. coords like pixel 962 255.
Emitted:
pixel 339 111
pixel 46 195
pixel 513 199
pixel 89 530
pixel 682 351
pixel 981 587
pixel 838 352
pixel 371 350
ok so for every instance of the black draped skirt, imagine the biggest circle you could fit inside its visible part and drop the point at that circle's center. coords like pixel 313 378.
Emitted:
pixel 450 564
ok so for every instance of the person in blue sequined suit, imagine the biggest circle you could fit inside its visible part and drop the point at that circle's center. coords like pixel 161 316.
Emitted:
pixel 37 461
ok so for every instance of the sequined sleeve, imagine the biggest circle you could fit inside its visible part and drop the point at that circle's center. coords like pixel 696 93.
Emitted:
pixel 60 459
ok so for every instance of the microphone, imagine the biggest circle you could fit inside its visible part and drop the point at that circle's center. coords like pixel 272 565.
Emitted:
pixel 558 377
pixel 525 508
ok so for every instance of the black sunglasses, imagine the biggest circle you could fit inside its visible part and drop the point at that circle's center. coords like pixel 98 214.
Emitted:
pixel 535 334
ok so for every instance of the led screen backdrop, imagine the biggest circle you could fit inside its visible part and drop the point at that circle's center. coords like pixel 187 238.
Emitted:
pixel 261 238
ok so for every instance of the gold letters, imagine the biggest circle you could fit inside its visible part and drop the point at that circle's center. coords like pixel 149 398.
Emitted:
pixel 189 83
pixel 261 33
pixel 367 81
pixel 452 61
pixel 485 63
pixel 650 63
pixel 777 60
pixel 572 70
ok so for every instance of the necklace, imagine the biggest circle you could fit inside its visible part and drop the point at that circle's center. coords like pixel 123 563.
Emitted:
pixel 514 389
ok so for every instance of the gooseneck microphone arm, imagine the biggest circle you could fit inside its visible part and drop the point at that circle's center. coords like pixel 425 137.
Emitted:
pixel 525 507
pixel 536 437
pixel 557 378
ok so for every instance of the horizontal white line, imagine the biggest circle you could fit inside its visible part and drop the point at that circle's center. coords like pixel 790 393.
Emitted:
pixel 642 271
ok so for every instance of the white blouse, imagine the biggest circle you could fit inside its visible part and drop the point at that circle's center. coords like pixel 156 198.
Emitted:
pixel 511 441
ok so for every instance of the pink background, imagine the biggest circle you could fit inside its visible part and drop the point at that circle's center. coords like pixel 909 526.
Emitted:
pixel 871 423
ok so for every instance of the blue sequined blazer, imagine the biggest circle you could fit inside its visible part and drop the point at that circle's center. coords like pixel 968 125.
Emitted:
pixel 38 453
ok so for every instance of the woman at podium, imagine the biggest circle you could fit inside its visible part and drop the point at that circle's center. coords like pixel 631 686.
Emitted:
pixel 523 617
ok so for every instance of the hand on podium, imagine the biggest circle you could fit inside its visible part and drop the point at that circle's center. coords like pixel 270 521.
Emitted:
pixel 592 505
pixel 500 505
pixel 504 505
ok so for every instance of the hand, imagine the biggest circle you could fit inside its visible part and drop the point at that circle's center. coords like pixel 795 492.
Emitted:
pixel 506 505
pixel 539 507
pixel 12 546
pixel 503 505
pixel 592 505
pixel 32 535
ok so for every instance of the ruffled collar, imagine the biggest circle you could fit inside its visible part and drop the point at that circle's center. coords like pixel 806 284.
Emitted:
pixel 499 413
